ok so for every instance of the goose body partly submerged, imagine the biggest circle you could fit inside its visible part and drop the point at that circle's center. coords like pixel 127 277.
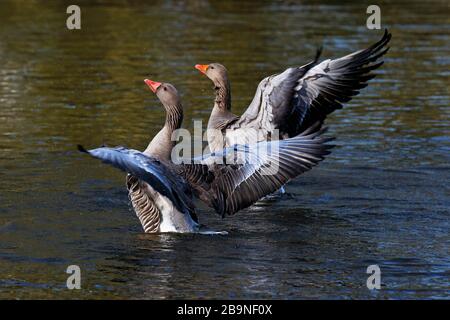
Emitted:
pixel 162 192
pixel 159 212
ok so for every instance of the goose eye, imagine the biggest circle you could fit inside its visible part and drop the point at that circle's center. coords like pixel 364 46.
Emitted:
pixel 165 89
pixel 212 67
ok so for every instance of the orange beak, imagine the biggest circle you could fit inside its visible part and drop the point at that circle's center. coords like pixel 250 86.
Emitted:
pixel 153 85
pixel 202 67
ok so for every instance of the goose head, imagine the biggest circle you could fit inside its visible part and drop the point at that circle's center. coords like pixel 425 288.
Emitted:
pixel 214 71
pixel 166 93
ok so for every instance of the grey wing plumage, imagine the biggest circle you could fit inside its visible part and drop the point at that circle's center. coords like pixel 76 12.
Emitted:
pixel 297 98
pixel 243 174
pixel 327 85
pixel 272 101
pixel 148 169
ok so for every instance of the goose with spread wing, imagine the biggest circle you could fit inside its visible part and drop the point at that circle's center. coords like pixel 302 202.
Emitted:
pixel 162 191
pixel 290 101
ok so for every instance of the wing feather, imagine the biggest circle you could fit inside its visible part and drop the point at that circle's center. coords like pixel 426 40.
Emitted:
pixel 148 169
pixel 299 97
pixel 268 165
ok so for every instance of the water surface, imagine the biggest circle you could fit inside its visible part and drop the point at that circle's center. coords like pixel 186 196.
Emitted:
pixel 381 197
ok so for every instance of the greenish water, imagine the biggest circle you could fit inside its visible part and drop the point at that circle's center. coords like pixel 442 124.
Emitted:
pixel 381 197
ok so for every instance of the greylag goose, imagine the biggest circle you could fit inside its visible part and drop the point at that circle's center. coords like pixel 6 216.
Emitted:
pixel 162 192
pixel 290 101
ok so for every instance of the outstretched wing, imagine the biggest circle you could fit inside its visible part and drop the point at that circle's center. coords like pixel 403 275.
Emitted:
pixel 295 99
pixel 325 87
pixel 238 176
pixel 229 180
pixel 148 169
pixel 272 102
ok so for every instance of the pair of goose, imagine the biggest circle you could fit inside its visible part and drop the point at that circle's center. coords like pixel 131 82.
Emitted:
pixel 294 102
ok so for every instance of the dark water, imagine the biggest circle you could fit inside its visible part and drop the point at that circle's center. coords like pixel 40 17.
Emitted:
pixel 382 197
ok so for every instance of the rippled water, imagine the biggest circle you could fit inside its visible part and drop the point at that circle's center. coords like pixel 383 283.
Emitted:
pixel 381 197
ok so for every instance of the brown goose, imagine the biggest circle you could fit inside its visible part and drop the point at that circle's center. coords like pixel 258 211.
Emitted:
pixel 162 191
pixel 290 101
pixel 146 202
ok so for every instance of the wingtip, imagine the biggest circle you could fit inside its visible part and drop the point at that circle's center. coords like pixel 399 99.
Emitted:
pixel 318 54
pixel 82 149
pixel 386 36
pixel 328 139
pixel 377 46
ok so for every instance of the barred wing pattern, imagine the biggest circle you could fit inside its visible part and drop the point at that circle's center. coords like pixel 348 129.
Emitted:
pixel 260 169
pixel 297 98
